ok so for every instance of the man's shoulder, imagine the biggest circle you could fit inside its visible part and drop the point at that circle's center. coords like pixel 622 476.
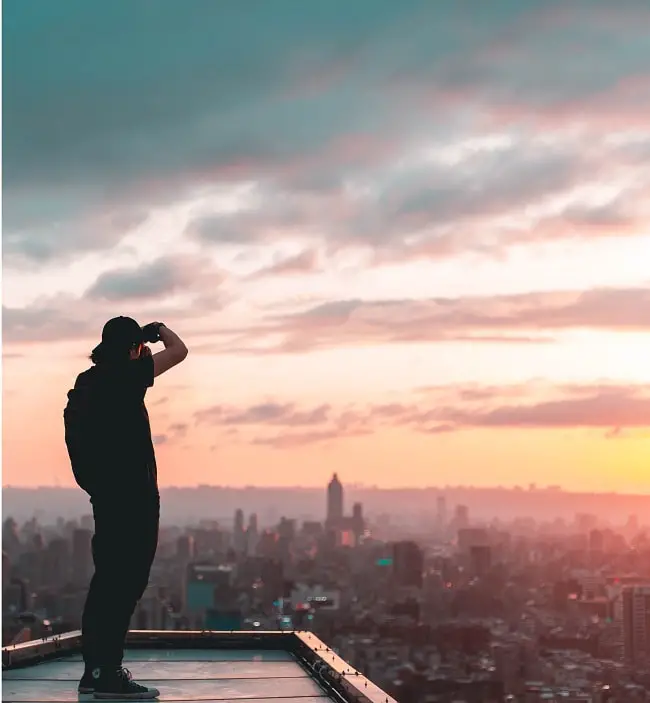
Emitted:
pixel 135 373
pixel 86 378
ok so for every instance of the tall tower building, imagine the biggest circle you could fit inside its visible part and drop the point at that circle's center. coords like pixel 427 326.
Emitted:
pixel 461 517
pixel 185 548
pixel 408 564
pixel 441 513
pixel 636 624
pixel 334 502
pixel 358 523
pixel 239 535
pixel 239 520
pixel 252 535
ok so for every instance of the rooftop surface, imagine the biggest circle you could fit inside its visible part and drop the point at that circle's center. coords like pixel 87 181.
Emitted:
pixel 200 666
pixel 180 675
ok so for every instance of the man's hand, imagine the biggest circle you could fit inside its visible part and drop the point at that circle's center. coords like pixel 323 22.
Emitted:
pixel 151 332
pixel 146 351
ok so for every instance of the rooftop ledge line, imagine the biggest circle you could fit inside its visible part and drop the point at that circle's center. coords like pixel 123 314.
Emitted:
pixel 336 677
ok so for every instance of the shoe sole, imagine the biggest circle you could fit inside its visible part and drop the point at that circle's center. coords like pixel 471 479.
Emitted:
pixel 85 690
pixel 144 696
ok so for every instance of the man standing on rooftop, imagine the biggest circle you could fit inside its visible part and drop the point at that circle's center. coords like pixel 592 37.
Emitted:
pixel 108 436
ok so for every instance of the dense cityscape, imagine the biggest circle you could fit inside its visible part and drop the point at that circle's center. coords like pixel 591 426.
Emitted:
pixel 461 609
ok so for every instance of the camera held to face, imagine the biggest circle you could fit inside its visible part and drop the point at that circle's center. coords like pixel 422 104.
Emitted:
pixel 151 332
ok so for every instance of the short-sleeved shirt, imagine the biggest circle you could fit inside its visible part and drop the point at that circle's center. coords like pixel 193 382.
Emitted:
pixel 119 433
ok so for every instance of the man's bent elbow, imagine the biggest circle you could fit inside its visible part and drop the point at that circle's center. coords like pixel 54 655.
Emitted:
pixel 179 354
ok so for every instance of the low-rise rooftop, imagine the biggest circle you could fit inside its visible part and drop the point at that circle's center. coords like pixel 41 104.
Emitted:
pixel 196 666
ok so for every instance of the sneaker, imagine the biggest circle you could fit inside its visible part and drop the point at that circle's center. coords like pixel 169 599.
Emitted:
pixel 87 683
pixel 117 684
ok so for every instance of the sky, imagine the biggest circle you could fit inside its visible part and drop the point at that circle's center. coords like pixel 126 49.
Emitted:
pixel 404 241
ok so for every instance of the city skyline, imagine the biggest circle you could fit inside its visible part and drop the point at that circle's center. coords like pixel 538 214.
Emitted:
pixel 401 506
pixel 490 610
pixel 407 245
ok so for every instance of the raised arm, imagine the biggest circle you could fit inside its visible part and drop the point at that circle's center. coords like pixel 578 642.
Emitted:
pixel 173 353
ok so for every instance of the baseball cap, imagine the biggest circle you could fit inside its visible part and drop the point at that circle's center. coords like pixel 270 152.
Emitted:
pixel 122 332
pixel 118 336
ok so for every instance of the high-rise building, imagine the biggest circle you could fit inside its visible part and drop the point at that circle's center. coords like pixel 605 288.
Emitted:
pixel 461 517
pixel 56 562
pixel 252 535
pixel 10 538
pixel 286 531
pixel 480 559
pixel 408 565
pixel 185 548
pixel 475 550
pixel 441 513
pixel 239 534
pixel 82 555
pixel 272 574
pixel 596 541
pixel 636 623
pixel 472 537
pixel 358 523
pixel 267 545
pixel 202 583
pixel 334 502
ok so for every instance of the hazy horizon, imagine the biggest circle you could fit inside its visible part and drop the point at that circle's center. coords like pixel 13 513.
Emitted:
pixel 404 506
pixel 353 486
pixel 403 242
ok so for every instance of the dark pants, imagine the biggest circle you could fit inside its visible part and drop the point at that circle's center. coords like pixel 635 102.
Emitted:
pixel 123 546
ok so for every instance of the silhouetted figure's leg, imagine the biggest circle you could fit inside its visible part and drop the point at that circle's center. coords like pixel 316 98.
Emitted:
pixel 145 525
pixel 124 545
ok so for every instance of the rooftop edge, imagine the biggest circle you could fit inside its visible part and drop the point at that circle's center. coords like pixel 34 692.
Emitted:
pixel 334 674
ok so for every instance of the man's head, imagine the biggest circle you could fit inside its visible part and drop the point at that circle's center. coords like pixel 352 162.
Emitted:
pixel 122 339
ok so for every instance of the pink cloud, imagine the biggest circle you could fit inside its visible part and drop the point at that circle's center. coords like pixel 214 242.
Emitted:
pixel 446 409
pixel 522 318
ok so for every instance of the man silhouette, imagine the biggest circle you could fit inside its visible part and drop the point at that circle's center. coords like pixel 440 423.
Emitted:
pixel 109 442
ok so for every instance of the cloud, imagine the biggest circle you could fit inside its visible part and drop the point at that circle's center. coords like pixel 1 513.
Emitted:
pixel 540 405
pixel 474 392
pixel 156 279
pixel 175 288
pixel 52 320
pixel 181 110
pixel 331 103
pixel 439 429
pixel 51 239
pixel 301 439
pixel 300 426
pixel 616 408
pixel 304 262
pixel 480 195
pixel 527 318
pixel 265 413
pixel 445 409
pixel 68 318
pixel 176 431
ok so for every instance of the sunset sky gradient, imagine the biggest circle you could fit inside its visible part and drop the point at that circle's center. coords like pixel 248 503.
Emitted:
pixel 404 241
